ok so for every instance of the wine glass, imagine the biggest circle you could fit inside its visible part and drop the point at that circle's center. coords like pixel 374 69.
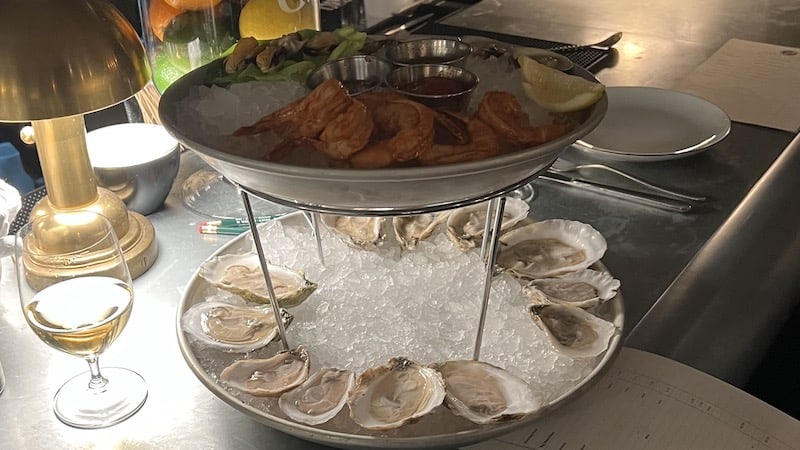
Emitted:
pixel 76 295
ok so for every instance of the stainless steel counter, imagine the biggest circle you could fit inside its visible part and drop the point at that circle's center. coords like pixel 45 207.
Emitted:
pixel 664 260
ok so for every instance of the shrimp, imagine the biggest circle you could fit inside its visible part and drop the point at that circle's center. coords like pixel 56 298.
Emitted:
pixel 379 99
pixel 501 111
pixel 483 143
pixel 345 135
pixel 305 117
pixel 409 127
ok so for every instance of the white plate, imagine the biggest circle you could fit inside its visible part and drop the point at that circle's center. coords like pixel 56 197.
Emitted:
pixel 651 124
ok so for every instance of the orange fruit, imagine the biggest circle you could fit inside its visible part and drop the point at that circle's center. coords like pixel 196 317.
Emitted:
pixel 193 5
pixel 161 14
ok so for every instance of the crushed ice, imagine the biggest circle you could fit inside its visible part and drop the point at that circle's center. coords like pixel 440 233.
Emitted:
pixel 423 304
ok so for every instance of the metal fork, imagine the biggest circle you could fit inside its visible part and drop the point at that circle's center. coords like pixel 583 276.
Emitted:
pixel 564 166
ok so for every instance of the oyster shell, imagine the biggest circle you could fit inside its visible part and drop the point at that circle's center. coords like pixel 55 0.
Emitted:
pixel 397 393
pixel 242 275
pixel 409 230
pixel 360 231
pixel 484 393
pixel 573 330
pixel 319 398
pixel 233 328
pixel 465 226
pixel 550 248
pixel 269 377
pixel 584 288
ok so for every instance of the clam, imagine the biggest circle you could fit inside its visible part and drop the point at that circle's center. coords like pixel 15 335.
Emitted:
pixel 484 393
pixel 465 226
pixel 359 231
pixel 269 377
pixel 319 398
pixel 549 248
pixel 410 230
pixel 233 328
pixel 242 275
pixel 572 330
pixel 397 393
pixel 584 288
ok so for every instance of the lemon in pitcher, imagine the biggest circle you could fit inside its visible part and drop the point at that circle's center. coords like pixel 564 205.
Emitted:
pixel 269 19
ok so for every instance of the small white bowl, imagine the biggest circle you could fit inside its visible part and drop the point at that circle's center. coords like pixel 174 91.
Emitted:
pixel 137 161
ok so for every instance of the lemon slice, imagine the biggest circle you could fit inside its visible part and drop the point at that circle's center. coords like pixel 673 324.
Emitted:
pixel 555 90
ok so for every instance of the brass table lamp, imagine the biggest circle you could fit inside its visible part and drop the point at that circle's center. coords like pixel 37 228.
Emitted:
pixel 60 59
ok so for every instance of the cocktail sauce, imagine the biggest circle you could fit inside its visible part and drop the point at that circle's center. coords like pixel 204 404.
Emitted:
pixel 435 86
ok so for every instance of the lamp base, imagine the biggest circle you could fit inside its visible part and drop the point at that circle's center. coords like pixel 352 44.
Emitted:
pixel 135 233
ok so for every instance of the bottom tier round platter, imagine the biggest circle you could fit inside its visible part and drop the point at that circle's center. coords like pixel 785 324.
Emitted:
pixel 374 304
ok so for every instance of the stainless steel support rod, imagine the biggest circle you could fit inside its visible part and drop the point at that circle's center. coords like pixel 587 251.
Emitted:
pixel 492 235
pixel 264 269
pixel 313 221
pixel 487 226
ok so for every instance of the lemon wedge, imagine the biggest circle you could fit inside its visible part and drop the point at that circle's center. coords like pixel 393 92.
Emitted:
pixel 270 19
pixel 555 90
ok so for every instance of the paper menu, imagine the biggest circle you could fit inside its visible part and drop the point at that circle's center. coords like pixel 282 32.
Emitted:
pixel 646 401
pixel 752 82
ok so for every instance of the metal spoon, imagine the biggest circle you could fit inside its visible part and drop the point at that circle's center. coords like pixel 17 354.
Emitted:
pixel 604 45
pixel 563 166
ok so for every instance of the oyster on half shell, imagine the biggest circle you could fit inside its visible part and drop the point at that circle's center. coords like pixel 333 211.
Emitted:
pixel 410 230
pixel 584 288
pixel 465 226
pixel 572 330
pixel 242 275
pixel 360 231
pixel 319 398
pixel 269 377
pixel 233 328
pixel 484 393
pixel 397 393
pixel 549 248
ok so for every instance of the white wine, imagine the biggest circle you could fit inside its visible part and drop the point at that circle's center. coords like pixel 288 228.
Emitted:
pixel 81 316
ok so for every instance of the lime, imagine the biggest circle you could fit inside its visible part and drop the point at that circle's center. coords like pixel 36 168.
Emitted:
pixel 268 19
pixel 555 90
pixel 165 73
pixel 193 38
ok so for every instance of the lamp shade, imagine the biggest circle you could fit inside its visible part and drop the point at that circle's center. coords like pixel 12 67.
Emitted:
pixel 66 57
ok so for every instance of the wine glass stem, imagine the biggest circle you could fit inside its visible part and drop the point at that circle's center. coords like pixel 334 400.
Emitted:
pixel 98 381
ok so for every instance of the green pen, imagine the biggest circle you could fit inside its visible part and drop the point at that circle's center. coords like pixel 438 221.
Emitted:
pixel 214 229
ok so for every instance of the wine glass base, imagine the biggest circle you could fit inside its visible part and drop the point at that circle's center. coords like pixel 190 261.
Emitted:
pixel 79 406
pixel 524 193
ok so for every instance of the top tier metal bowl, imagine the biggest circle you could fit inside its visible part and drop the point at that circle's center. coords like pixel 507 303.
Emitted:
pixel 391 191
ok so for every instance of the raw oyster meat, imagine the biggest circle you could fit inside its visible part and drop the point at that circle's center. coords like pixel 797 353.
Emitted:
pixel 465 226
pixel 484 393
pixel 409 230
pixel 397 393
pixel 573 330
pixel 360 231
pixel 584 288
pixel 242 275
pixel 549 248
pixel 319 398
pixel 269 377
pixel 233 328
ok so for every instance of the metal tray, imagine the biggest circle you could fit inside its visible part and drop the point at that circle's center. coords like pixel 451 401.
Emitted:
pixel 440 429
pixel 389 191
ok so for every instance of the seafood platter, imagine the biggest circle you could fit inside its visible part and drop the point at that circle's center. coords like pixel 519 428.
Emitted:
pixel 387 151
pixel 377 346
